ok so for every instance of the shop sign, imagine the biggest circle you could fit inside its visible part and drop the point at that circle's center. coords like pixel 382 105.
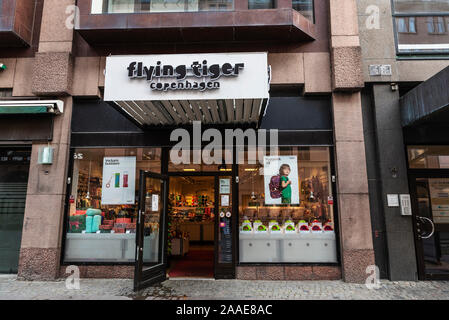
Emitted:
pixel 186 76
pixel 119 179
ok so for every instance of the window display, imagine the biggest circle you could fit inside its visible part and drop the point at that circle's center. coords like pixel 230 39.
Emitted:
pixel 286 208
pixel 103 203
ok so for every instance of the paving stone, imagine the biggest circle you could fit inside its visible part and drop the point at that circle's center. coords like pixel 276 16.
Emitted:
pixel 11 288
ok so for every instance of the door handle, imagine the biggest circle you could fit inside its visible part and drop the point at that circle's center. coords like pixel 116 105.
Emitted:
pixel 424 220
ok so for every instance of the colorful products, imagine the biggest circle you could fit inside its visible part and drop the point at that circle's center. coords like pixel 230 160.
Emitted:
pixel 125 179
pixel 117 180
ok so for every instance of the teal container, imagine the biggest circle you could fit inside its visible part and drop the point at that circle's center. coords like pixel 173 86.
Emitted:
pixel 92 212
pixel 96 223
pixel 89 220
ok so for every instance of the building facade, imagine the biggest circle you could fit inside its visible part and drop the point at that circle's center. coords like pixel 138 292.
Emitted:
pixel 65 120
pixel 405 52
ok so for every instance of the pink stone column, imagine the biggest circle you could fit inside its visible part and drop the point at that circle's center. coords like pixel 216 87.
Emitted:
pixel 352 183
pixel 40 253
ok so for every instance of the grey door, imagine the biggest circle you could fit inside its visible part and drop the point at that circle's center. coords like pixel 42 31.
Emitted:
pixel 14 168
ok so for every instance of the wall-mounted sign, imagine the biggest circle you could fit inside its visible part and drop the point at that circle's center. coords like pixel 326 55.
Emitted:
pixel 186 76
pixel 392 200
pixel 406 204
pixel 119 178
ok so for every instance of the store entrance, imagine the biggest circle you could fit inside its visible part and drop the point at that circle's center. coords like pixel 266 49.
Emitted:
pixel 200 223
pixel 430 197
pixel 191 230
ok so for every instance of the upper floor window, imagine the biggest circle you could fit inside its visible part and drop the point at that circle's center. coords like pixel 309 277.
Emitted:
pixel 261 4
pixel 421 26
pixel 305 7
pixel 137 6
pixel 406 25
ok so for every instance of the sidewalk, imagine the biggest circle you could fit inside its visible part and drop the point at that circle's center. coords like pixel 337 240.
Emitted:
pixel 106 289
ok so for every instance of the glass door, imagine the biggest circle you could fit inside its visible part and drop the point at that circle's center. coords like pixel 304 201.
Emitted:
pixel 224 225
pixel 431 216
pixel 151 235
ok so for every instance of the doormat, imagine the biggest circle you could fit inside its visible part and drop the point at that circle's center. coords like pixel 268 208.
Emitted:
pixel 196 263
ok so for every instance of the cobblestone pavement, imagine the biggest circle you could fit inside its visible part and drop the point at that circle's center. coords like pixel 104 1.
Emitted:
pixel 10 288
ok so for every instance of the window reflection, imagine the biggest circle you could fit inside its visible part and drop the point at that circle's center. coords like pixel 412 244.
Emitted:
pixel 136 6
pixel 421 25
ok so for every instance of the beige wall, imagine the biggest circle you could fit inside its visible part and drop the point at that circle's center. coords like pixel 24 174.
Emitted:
pixel 378 47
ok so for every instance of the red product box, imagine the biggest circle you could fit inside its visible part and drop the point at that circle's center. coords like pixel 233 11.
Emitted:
pixel 119 230
pixel 130 226
pixel 106 227
pixel 108 222
pixel 120 225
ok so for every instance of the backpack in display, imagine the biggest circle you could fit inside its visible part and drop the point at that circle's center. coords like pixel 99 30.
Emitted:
pixel 275 187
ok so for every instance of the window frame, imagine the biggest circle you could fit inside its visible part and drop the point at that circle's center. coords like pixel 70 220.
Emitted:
pixel 417 55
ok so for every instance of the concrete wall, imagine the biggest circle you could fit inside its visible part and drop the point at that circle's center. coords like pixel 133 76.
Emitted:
pixel 378 47
pixel 393 233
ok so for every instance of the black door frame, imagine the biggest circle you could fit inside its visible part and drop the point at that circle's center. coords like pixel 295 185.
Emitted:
pixel 220 272
pixel 413 175
pixel 158 272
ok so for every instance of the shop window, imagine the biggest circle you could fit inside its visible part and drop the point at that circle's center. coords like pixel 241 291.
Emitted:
pixel 421 26
pixel 286 211
pixel 149 6
pixel 305 7
pixel 428 157
pixel 103 204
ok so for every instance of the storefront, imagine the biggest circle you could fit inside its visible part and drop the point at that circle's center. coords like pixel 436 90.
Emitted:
pixel 224 204
pixel 425 117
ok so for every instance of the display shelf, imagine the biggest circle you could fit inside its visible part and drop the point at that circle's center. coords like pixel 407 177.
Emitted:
pixel 282 236
pixel 192 208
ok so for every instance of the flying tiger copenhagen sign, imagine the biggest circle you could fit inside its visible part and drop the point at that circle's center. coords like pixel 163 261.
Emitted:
pixel 187 76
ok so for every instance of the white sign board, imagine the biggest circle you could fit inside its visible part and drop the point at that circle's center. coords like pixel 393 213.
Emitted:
pixel 406 204
pixel 225 186
pixel 279 170
pixel 392 200
pixel 119 179
pixel 199 76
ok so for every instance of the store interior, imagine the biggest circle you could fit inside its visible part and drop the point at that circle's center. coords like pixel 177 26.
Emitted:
pixel 191 227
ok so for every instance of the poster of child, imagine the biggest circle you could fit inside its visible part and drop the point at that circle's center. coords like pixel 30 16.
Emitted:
pixel 281 180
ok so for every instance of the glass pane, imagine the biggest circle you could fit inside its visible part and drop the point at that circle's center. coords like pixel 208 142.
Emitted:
pixel 421 6
pixel 286 208
pixel 153 217
pixel 433 204
pixel 422 34
pixel 305 7
pixel 225 220
pixel 14 168
pixel 136 6
pixel 103 204
pixel 261 4
pixel 428 157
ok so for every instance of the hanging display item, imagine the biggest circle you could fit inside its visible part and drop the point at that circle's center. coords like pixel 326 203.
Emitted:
pixel 281 180
pixel 122 171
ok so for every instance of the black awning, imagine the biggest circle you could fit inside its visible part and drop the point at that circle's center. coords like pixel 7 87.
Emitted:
pixel 428 103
